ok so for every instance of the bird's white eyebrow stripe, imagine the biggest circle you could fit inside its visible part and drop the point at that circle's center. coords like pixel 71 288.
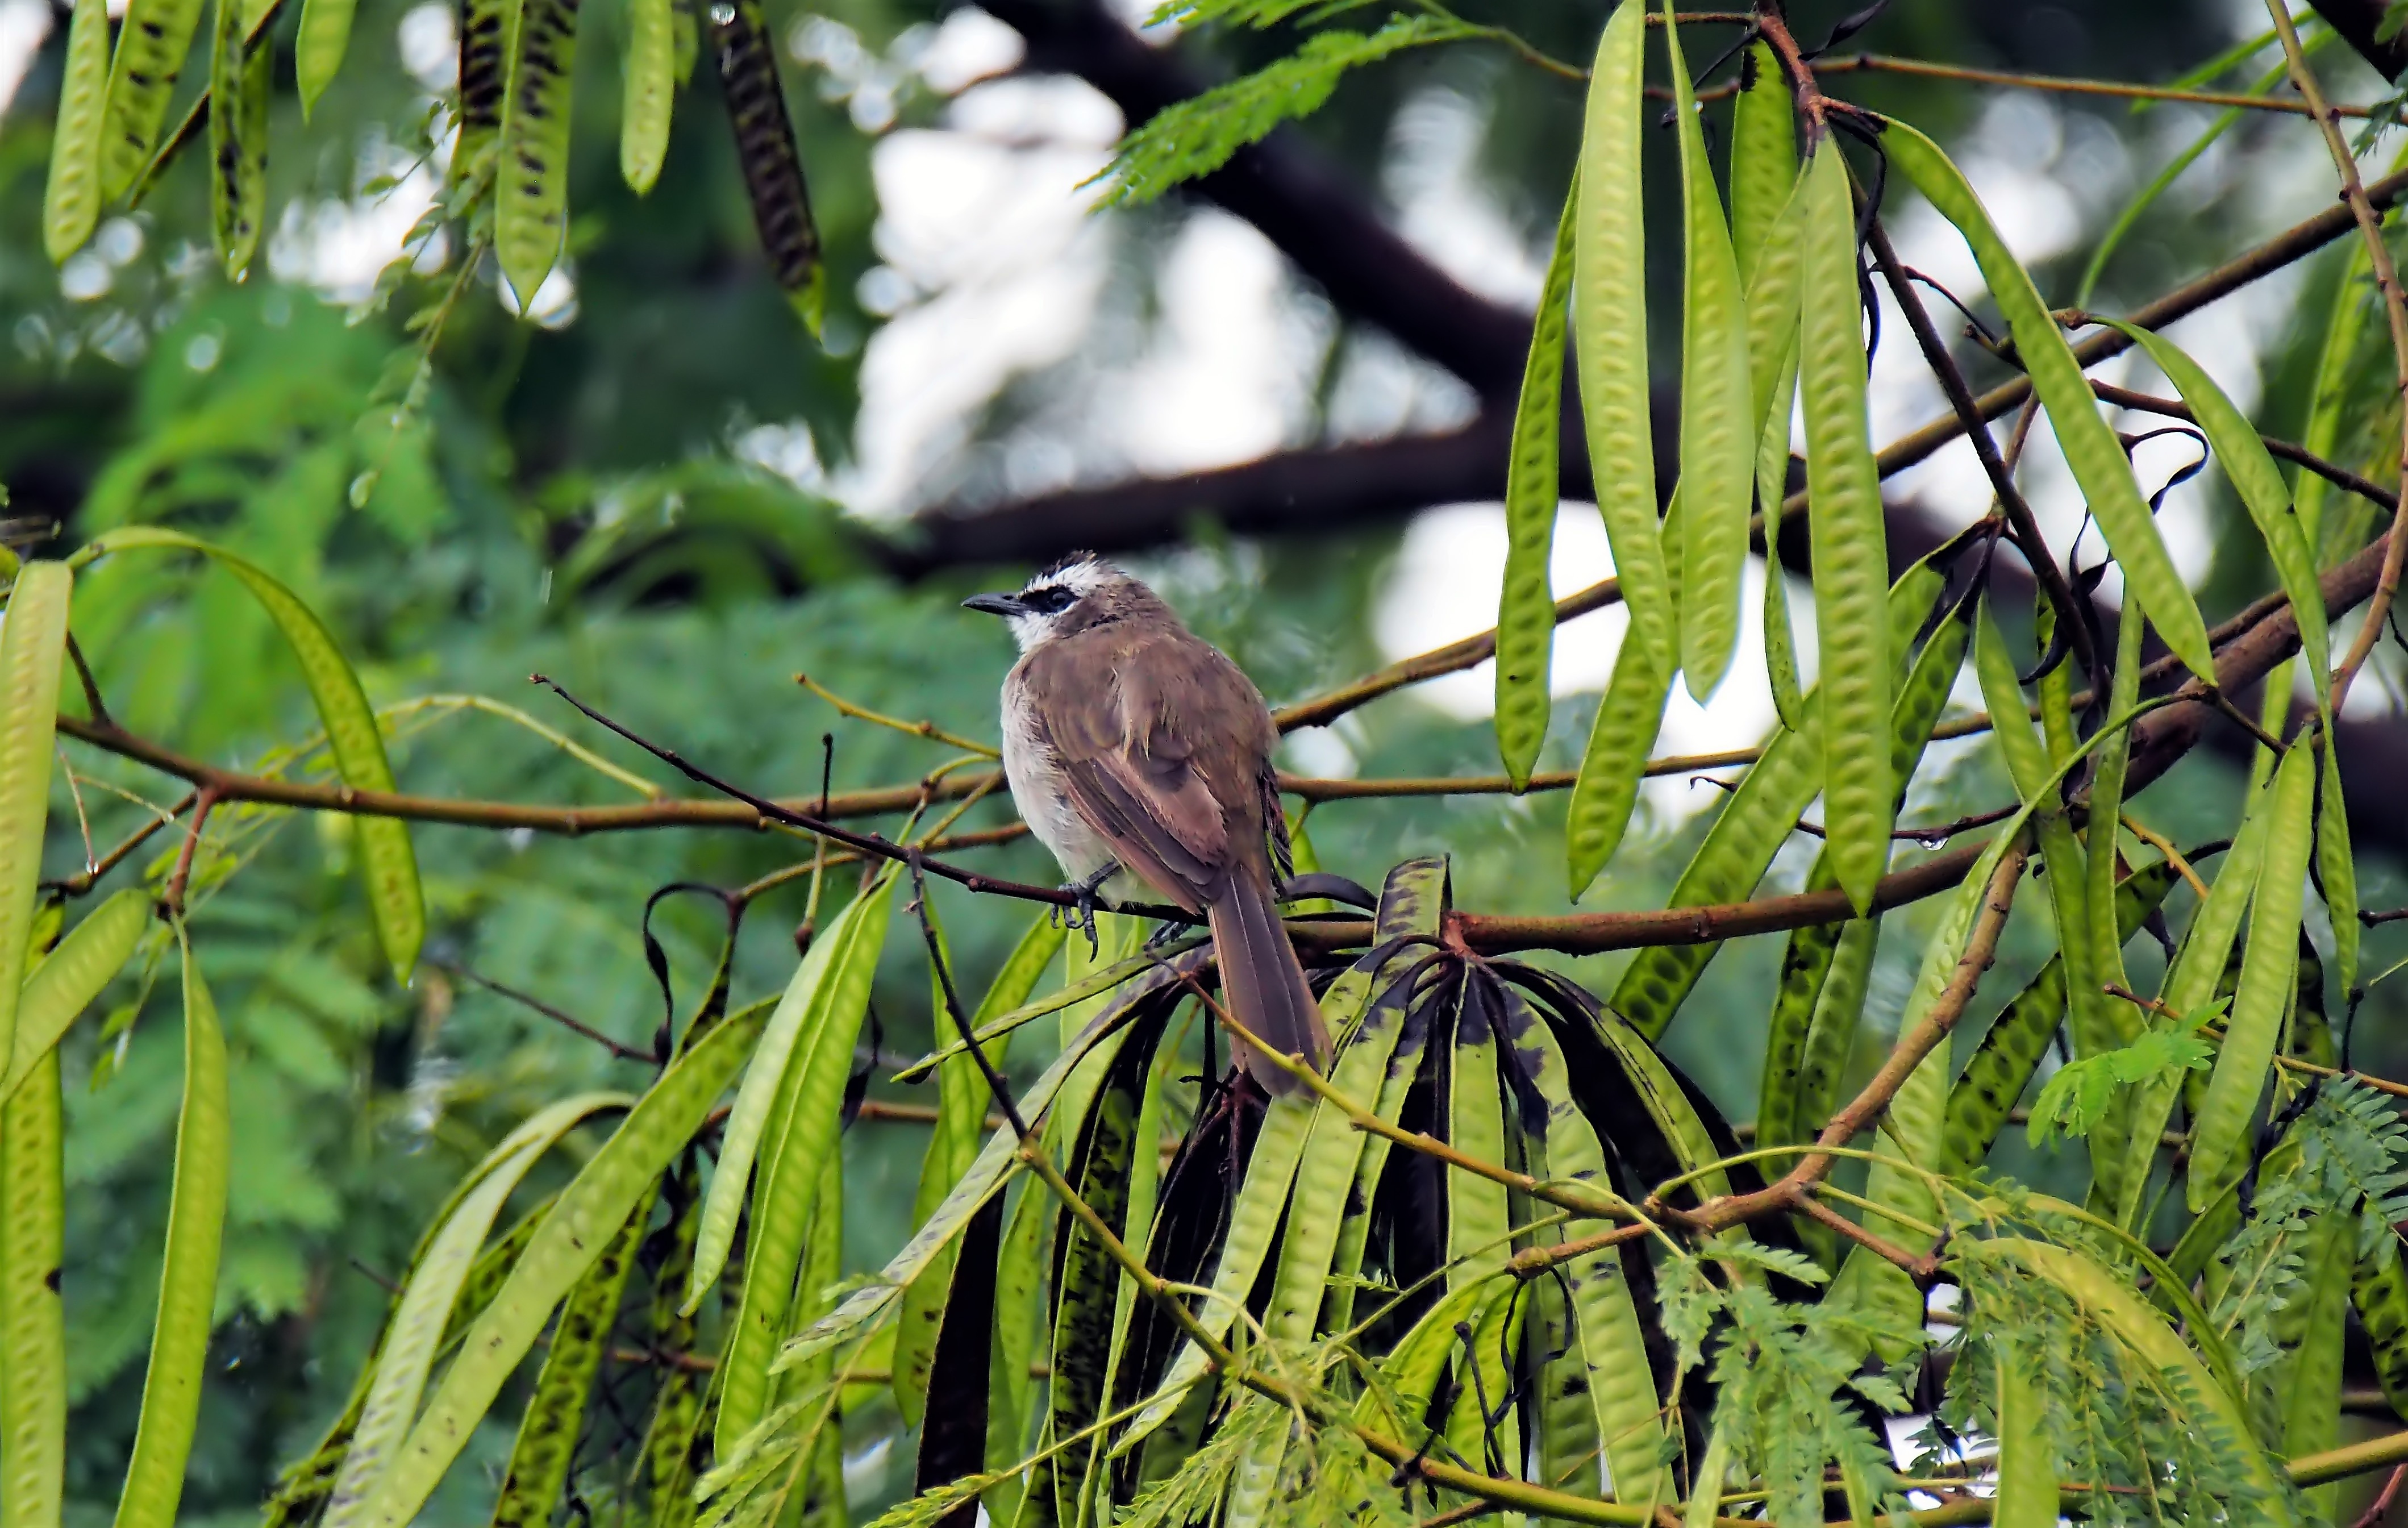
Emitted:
pixel 1080 578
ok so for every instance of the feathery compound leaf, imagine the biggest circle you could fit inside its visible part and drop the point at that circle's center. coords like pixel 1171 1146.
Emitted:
pixel 596 1203
pixel 1198 135
pixel 2268 967
pixel 33 646
pixel 239 83
pixel 773 166
pixel 1526 616
pixel 433 1292
pixel 33 1330
pixel 1845 519
pixel 2090 447
pixel 531 189
pixel 151 48
pixel 65 983
pixel 318 47
pixel 1719 422
pixel 71 200
pixel 1610 330
pixel 2380 1292
pixel 180 1344
pixel 389 865
pixel 651 92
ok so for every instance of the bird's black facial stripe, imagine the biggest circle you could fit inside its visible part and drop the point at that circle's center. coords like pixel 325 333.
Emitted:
pixel 1051 601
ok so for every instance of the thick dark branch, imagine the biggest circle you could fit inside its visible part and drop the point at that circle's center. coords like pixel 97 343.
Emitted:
pixel 1301 203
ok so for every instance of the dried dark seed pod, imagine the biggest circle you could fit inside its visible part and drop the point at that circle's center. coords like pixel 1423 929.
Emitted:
pixel 765 143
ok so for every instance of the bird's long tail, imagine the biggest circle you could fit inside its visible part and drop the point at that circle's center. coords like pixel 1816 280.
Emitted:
pixel 1264 982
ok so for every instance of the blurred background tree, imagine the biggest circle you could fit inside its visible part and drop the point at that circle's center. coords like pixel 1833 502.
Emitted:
pixel 1282 396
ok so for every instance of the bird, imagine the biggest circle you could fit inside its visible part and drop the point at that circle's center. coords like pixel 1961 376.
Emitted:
pixel 1141 756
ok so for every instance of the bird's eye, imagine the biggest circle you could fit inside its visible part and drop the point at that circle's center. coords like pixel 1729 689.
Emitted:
pixel 1052 601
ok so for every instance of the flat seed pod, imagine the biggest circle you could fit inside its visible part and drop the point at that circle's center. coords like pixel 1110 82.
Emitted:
pixel 2090 447
pixel 188 1281
pixel 651 92
pixel 71 199
pixel 317 48
pixel 487 29
pixel 389 865
pixel 531 184
pixel 1609 329
pixel 32 646
pixel 1850 544
pixel 764 146
pixel 1718 420
pixel 33 1329
pixel 555 1413
pixel 151 50
pixel 1525 615
pixel 239 83
pixel 569 1242
pixel 2269 969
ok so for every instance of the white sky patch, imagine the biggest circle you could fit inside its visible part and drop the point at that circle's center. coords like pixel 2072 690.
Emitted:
pixel 969 46
pixel 1444 210
pixel 1231 367
pixel 995 268
pixel 23 26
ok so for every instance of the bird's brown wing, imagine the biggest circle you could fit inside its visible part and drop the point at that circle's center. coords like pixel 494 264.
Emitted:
pixel 1124 713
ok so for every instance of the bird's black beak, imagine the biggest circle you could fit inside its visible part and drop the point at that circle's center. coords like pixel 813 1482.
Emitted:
pixel 995 604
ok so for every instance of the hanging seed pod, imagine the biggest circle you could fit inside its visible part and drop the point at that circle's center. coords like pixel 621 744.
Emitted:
pixel 773 168
pixel 239 85
pixel 485 27
pixel 531 185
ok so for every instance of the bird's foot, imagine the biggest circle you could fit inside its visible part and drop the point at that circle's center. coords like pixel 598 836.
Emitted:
pixel 1164 932
pixel 1080 914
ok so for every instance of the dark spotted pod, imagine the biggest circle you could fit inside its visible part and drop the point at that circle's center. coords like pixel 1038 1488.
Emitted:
pixel 765 143
pixel 531 178
pixel 238 82
pixel 485 41
pixel 555 1413
pixel 151 51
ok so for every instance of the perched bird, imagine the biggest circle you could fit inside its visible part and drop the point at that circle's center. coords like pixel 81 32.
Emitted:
pixel 1141 757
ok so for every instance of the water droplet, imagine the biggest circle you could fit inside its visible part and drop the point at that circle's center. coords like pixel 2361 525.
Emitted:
pixel 1932 841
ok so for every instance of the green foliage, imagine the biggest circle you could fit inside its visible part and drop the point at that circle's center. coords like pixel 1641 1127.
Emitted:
pixel 1197 136
pixel 2077 1095
pixel 1514 1248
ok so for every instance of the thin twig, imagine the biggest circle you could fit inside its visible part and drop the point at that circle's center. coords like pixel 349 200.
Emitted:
pixel 2069 85
pixel 535 1005
pixel 2165 846
pixel 2375 1514
pixel 1930 1032
pixel 91 700
pixel 2072 617
pixel 173 898
pixel 919 730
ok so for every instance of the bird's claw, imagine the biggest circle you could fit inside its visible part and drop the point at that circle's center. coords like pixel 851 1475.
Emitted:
pixel 1080 914
pixel 1164 932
